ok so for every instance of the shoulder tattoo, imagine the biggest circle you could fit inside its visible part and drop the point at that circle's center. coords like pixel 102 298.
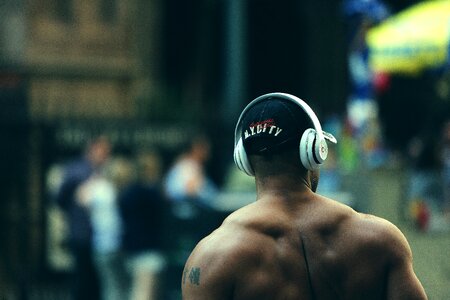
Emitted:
pixel 191 275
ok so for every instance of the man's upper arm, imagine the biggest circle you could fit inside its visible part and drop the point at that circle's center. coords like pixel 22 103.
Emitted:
pixel 208 273
pixel 402 281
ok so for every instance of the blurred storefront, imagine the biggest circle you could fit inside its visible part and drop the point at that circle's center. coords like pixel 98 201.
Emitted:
pixel 69 70
pixel 146 74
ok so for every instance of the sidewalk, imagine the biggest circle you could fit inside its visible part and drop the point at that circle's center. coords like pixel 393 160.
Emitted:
pixel 431 251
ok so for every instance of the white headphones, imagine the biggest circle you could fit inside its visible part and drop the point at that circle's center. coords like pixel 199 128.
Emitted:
pixel 313 147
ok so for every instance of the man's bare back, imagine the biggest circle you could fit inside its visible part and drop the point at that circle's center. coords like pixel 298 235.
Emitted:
pixel 309 248
pixel 293 243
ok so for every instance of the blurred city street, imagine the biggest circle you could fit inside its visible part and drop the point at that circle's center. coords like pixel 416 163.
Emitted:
pixel 117 123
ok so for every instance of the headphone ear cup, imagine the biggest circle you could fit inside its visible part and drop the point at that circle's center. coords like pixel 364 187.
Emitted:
pixel 241 159
pixel 236 154
pixel 321 151
pixel 306 149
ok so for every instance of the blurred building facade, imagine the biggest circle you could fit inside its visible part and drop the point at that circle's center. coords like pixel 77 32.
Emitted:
pixel 68 70
pixel 144 73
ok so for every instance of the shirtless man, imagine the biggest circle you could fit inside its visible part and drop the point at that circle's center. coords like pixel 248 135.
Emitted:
pixel 293 243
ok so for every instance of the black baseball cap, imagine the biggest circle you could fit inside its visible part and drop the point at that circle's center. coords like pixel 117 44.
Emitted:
pixel 273 124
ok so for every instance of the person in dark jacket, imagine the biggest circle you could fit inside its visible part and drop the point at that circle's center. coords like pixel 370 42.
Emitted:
pixel 85 283
pixel 142 209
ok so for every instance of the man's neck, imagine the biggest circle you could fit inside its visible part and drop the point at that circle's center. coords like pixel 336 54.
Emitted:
pixel 282 185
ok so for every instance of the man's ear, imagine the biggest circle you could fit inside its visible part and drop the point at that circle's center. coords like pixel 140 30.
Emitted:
pixel 314 179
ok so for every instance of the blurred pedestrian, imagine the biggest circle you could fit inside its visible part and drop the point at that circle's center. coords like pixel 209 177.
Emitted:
pixel 99 195
pixel 429 179
pixel 85 281
pixel 191 194
pixel 187 184
pixel 446 169
pixel 142 210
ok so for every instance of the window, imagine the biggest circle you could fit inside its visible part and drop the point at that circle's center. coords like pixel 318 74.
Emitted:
pixel 63 10
pixel 108 11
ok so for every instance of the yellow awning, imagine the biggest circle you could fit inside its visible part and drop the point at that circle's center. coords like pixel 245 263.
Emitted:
pixel 412 40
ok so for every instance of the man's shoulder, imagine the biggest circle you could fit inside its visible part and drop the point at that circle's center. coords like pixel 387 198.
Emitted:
pixel 352 221
pixel 236 240
pixel 379 226
pixel 222 255
pixel 380 233
pixel 233 240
